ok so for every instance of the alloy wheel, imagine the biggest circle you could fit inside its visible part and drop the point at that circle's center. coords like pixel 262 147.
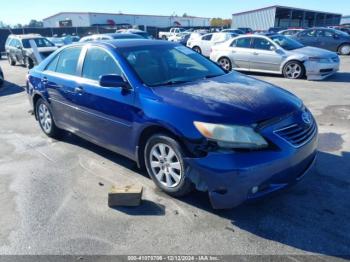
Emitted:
pixel 165 165
pixel 45 118
pixel 293 71
pixel 225 64
pixel 345 50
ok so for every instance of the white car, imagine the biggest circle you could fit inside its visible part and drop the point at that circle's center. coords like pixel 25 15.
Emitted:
pixel 204 44
pixel 275 54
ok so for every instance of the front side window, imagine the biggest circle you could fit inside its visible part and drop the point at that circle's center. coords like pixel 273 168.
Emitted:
pixel 242 42
pixel 165 65
pixel 98 63
pixel 262 44
pixel 68 61
pixel 309 33
pixel 40 42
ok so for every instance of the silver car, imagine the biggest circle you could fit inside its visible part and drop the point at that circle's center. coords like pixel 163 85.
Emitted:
pixel 276 54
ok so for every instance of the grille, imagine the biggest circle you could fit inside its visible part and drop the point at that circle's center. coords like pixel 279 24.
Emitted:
pixel 298 135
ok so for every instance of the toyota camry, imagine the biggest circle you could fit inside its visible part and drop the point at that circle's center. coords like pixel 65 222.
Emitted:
pixel 187 121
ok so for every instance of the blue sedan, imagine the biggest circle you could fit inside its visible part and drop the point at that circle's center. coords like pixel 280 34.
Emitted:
pixel 188 122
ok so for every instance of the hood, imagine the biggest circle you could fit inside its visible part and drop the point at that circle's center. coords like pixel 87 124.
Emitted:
pixel 232 98
pixel 314 52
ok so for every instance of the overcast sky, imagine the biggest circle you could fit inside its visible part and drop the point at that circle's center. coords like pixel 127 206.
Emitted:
pixel 20 11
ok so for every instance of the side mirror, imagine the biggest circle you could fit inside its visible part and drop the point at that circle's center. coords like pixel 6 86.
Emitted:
pixel 18 47
pixel 279 51
pixel 114 81
pixel 273 48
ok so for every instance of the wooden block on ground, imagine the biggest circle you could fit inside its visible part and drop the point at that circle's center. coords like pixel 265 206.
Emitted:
pixel 125 196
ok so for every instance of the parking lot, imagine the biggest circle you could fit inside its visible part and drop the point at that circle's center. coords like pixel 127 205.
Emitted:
pixel 53 194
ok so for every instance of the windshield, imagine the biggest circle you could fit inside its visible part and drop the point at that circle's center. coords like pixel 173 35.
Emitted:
pixel 286 43
pixel 341 32
pixel 40 42
pixel 143 34
pixel 159 65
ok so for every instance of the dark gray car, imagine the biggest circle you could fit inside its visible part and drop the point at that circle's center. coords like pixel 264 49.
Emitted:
pixel 326 38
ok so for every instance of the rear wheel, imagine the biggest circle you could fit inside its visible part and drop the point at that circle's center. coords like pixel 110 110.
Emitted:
pixel 1 79
pixel 197 49
pixel 165 165
pixel 28 62
pixel 11 60
pixel 294 70
pixel 45 119
pixel 344 49
pixel 225 63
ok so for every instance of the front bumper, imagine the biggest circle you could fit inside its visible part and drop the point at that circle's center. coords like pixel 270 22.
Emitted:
pixel 232 178
pixel 320 71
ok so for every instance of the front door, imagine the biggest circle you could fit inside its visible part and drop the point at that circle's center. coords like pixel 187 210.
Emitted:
pixel 105 114
pixel 265 57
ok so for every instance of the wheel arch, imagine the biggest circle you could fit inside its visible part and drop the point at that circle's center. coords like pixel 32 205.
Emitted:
pixel 35 99
pixel 148 132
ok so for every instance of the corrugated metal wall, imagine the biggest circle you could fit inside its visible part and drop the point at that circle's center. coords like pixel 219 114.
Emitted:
pixel 259 20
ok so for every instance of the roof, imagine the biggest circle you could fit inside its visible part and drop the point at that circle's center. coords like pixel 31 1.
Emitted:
pixel 280 6
pixel 97 13
pixel 27 36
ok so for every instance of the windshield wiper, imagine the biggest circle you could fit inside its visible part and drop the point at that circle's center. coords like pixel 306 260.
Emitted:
pixel 170 83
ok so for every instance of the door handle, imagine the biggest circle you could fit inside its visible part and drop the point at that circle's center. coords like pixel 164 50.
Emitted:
pixel 234 52
pixel 255 53
pixel 79 90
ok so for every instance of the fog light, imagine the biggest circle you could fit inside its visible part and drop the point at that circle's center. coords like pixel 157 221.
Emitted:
pixel 255 189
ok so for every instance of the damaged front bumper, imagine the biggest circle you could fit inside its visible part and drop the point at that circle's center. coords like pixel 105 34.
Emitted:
pixel 234 177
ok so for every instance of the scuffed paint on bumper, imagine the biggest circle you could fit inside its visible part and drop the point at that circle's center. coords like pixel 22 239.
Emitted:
pixel 320 71
pixel 230 177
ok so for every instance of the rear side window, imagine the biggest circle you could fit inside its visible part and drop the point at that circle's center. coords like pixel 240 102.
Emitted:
pixel 207 37
pixel 242 42
pixel 68 61
pixel 53 64
pixel 98 63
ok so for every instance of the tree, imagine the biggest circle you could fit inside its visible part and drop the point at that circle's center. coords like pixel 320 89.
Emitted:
pixel 219 22
pixel 35 23
pixel 185 15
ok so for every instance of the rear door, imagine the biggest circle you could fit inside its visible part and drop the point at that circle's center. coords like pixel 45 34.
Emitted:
pixel 206 44
pixel 264 56
pixel 241 53
pixel 61 80
pixel 105 113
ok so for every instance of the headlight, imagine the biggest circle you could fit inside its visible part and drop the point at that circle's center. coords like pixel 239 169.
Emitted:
pixel 231 136
pixel 319 59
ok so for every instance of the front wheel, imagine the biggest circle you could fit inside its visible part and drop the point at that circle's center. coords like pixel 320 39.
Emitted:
pixel 45 119
pixel 1 79
pixel 344 49
pixel 294 70
pixel 29 63
pixel 165 165
pixel 225 63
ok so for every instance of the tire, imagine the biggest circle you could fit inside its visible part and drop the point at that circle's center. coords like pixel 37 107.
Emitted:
pixel 1 79
pixel 28 62
pixel 197 49
pixel 11 61
pixel 294 70
pixel 45 119
pixel 344 49
pixel 225 63
pixel 164 37
pixel 165 165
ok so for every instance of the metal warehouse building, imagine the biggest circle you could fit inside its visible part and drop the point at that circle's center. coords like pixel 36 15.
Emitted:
pixel 345 20
pixel 69 19
pixel 282 16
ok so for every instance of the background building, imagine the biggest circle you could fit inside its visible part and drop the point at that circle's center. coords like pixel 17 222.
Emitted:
pixel 69 19
pixel 345 20
pixel 282 16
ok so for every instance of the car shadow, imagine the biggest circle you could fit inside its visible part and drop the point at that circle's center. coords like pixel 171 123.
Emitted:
pixel 312 216
pixel 340 77
pixel 9 88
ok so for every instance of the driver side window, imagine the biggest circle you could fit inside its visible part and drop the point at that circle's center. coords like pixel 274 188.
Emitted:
pixel 262 44
pixel 98 63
